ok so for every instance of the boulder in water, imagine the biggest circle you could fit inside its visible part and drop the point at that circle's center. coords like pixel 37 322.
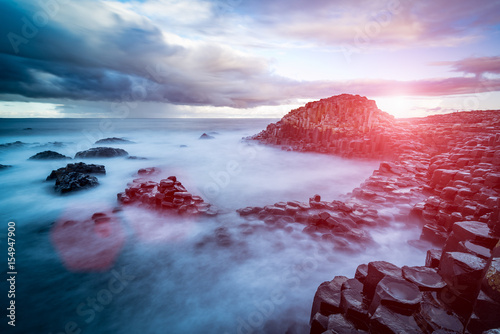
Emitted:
pixel 205 136
pixel 48 155
pixel 79 167
pixel 113 140
pixel 102 152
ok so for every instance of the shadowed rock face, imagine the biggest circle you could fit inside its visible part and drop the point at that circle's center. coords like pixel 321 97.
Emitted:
pixel 327 297
pixel 74 181
pixel 386 321
pixel 462 272
pixel 102 152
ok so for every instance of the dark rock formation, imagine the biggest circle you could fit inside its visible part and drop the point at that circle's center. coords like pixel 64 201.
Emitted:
pixel 167 195
pixel 4 166
pixel 75 177
pixel 48 155
pixel 113 140
pixel 73 181
pixel 205 136
pixel 78 167
pixel 102 152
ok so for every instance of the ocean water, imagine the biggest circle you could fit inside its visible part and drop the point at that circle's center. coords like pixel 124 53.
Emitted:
pixel 166 274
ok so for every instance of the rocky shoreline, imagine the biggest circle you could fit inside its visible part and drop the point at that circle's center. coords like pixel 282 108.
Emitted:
pixel 441 171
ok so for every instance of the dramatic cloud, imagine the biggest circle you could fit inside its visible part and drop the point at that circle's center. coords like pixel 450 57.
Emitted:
pixel 216 53
pixel 377 23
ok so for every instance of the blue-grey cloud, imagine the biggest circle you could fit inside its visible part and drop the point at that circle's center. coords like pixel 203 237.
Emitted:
pixel 94 51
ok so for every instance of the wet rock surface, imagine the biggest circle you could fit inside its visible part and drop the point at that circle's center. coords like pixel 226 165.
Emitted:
pixel 78 167
pixel 73 181
pixel 102 152
pixel 424 278
pixel 167 195
pixel 76 177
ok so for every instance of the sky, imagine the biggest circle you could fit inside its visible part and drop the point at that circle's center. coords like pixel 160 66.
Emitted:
pixel 245 58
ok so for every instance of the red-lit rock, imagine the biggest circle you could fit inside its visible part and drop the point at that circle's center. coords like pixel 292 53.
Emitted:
pixel 462 272
pixel 353 304
pixel 327 298
pixel 399 295
pixel 386 321
pixel 376 271
pixel 433 257
pixel 426 279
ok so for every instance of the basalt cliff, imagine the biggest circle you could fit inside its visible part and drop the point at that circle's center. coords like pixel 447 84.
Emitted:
pixel 442 172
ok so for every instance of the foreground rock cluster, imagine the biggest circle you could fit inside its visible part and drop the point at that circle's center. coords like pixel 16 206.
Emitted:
pixel 440 171
pixel 455 292
pixel 168 195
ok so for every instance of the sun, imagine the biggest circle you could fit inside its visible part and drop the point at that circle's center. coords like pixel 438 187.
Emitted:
pixel 399 106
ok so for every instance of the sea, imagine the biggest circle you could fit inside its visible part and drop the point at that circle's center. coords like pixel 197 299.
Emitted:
pixel 163 273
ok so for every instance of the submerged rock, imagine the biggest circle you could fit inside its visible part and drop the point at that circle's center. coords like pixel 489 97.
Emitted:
pixel 48 155
pixel 205 136
pixel 113 140
pixel 13 144
pixel 4 166
pixel 102 152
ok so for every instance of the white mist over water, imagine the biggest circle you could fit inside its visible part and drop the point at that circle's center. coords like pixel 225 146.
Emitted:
pixel 180 279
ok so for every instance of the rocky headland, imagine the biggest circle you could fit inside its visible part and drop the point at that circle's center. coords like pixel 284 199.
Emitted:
pixel 440 171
